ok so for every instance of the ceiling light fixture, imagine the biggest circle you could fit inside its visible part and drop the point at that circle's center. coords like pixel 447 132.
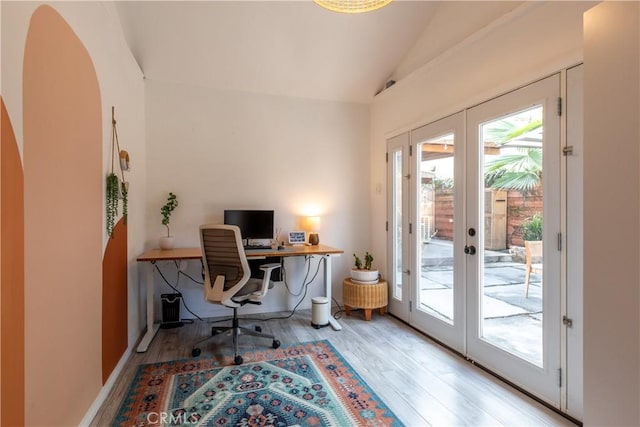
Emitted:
pixel 352 6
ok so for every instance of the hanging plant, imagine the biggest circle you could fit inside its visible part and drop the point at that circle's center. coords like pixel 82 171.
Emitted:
pixel 112 201
pixel 115 187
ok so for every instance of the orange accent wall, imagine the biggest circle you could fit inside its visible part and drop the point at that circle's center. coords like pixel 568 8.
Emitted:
pixel 63 183
pixel 11 277
pixel 114 300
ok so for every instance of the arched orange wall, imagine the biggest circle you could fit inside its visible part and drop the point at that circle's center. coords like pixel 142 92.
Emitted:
pixel 11 277
pixel 114 300
pixel 63 183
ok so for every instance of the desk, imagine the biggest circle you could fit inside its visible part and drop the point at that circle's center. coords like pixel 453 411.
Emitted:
pixel 149 258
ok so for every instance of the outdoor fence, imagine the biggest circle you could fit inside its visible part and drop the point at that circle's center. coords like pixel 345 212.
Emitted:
pixel 519 208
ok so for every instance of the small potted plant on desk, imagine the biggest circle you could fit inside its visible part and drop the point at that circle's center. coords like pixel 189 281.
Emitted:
pixel 166 242
pixel 364 275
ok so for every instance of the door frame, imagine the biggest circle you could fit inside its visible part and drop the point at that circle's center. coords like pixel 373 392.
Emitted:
pixel 572 263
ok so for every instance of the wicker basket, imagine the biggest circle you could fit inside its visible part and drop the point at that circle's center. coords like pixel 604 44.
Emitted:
pixel 364 296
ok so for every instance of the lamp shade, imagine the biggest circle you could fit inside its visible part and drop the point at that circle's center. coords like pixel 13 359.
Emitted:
pixel 352 6
pixel 311 223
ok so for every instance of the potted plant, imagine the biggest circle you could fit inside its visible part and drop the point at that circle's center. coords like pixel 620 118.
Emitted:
pixel 116 190
pixel 364 273
pixel 166 242
pixel 112 202
pixel 532 228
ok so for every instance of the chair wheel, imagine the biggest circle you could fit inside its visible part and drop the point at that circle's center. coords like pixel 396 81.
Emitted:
pixel 258 329
pixel 195 352
pixel 275 344
pixel 237 360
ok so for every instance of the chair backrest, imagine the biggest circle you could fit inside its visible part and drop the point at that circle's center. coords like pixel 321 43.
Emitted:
pixel 225 263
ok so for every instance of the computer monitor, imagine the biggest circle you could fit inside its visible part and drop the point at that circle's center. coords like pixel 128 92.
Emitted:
pixel 253 224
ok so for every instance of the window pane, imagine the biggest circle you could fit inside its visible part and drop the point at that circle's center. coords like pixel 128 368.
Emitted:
pixel 435 240
pixel 511 297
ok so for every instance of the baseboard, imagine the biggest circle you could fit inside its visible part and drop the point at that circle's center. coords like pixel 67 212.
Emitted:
pixel 104 392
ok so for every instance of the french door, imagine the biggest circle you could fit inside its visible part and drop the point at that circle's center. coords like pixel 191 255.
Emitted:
pixel 515 330
pixel 436 202
pixel 469 200
pixel 397 225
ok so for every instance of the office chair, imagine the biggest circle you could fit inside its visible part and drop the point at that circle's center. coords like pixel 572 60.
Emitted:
pixel 227 281
pixel 532 250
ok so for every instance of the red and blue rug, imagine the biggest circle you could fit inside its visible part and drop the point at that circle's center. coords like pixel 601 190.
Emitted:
pixel 307 384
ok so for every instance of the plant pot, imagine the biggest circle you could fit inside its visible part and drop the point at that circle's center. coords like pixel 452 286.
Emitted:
pixel 364 276
pixel 166 242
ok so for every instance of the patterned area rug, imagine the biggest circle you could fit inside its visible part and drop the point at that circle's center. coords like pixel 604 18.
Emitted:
pixel 307 384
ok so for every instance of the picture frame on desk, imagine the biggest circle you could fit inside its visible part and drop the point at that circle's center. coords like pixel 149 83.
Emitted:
pixel 297 238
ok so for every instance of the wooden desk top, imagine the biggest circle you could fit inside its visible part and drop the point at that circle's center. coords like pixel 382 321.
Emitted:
pixel 196 253
pixel 170 254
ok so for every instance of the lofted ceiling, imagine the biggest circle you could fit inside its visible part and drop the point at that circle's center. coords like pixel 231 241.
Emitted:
pixel 295 48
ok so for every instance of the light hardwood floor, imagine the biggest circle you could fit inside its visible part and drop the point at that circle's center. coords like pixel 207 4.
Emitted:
pixel 420 381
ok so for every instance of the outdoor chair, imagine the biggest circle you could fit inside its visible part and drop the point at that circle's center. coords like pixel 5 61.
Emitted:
pixel 533 254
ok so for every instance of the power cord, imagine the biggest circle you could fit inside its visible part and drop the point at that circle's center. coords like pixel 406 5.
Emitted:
pixel 307 261
pixel 305 286
pixel 176 290
pixel 303 291
pixel 185 274
pixel 190 321
pixel 338 314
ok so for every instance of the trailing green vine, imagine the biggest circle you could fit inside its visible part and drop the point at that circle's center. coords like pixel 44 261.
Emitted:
pixel 112 201
pixel 125 203
pixel 116 188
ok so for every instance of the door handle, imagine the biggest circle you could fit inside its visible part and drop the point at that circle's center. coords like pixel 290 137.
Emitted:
pixel 470 250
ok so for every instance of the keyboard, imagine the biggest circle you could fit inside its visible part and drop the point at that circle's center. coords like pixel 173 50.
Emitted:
pixel 263 247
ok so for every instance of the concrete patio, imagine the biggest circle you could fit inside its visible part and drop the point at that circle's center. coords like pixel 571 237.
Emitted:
pixel 511 320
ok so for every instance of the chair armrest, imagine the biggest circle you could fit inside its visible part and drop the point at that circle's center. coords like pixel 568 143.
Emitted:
pixel 270 267
pixel 213 293
pixel 266 280
pixel 267 269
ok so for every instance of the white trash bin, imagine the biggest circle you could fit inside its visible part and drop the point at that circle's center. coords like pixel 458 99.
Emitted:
pixel 320 312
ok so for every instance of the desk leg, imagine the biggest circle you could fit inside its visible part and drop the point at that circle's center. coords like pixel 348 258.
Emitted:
pixel 327 290
pixel 152 328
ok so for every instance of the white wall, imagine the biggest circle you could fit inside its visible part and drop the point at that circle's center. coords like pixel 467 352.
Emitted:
pixel 611 212
pixel 221 150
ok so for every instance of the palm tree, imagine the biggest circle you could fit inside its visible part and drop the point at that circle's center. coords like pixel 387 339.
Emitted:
pixel 520 170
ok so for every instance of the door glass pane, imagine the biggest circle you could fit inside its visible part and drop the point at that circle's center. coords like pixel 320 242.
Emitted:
pixel 511 205
pixel 397 223
pixel 435 239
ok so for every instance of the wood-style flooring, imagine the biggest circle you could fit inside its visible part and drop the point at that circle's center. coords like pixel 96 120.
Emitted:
pixel 420 381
